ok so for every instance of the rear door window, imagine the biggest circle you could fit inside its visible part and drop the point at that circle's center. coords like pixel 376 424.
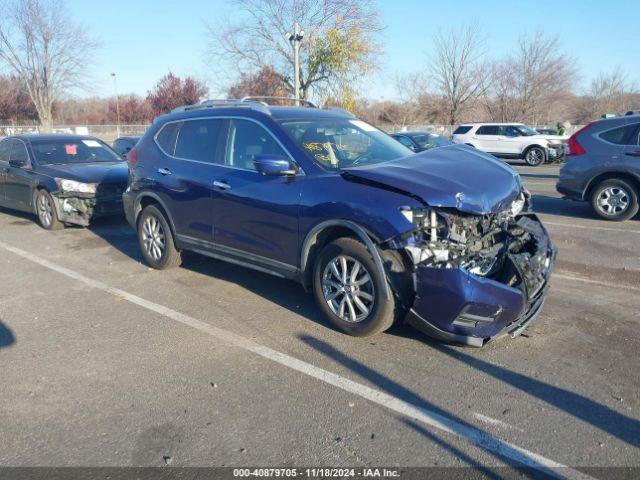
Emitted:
pixel 621 135
pixel 201 140
pixel 488 130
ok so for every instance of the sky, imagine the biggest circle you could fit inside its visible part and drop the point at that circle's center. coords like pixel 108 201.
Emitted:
pixel 141 40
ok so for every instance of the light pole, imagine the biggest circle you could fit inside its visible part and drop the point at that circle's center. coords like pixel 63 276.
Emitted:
pixel 115 88
pixel 295 39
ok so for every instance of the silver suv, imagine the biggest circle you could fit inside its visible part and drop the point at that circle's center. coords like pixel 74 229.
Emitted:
pixel 603 167
pixel 511 140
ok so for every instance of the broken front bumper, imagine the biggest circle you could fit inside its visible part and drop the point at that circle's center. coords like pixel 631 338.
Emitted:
pixel 456 306
pixel 81 209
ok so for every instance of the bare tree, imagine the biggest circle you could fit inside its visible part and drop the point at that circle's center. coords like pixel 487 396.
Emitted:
pixel 45 50
pixel 611 92
pixel 457 71
pixel 539 75
pixel 338 47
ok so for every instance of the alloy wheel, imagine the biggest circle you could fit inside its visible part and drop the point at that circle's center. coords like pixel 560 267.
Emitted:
pixel 613 200
pixel 45 210
pixel 535 156
pixel 153 237
pixel 348 289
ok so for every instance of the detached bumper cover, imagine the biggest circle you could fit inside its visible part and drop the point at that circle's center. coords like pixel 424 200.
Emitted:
pixel 456 306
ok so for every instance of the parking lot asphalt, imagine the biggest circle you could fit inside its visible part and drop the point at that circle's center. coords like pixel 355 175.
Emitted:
pixel 106 362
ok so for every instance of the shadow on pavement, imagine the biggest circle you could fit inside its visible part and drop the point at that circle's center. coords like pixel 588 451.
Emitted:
pixel 591 412
pixel 6 336
pixel 561 207
pixel 119 234
pixel 394 388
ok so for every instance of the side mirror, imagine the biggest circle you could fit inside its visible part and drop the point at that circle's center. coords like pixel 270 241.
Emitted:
pixel 17 163
pixel 274 165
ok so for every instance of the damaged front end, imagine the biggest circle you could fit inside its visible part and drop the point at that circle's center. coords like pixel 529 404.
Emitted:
pixel 79 206
pixel 476 277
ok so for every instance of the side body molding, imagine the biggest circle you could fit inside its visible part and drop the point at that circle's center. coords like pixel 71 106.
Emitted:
pixel 312 237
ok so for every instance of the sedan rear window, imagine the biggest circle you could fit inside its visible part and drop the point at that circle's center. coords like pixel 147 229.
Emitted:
pixel 64 151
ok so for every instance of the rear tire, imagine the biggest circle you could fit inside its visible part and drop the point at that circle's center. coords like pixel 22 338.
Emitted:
pixel 348 289
pixel 614 200
pixel 46 211
pixel 535 156
pixel 156 240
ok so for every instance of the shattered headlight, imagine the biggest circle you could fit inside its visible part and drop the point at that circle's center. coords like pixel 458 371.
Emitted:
pixel 71 186
pixel 518 205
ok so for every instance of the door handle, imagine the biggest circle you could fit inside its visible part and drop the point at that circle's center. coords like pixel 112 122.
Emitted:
pixel 164 171
pixel 633 154
pixel 222 185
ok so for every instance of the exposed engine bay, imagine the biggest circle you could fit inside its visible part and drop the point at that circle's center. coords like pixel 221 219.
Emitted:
pixel 508 246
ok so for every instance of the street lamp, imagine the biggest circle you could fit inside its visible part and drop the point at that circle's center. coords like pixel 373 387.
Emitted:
pixel 115 88
pixel 295 39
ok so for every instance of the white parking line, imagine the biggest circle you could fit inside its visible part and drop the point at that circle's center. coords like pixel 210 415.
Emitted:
pixel 586 227
pixel 595 282
pixel 494 421
pixel 428 417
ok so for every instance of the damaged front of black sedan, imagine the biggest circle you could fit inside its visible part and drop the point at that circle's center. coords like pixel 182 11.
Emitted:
pixel 63 179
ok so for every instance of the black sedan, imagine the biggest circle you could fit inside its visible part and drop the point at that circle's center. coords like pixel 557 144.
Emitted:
pixel 421 141
pixel 63 179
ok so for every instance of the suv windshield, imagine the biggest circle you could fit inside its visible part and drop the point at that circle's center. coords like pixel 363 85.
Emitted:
pixel 342 143
pixel 62 151
pixel 527 131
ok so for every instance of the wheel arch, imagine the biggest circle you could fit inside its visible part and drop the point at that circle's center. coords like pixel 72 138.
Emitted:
pixel 327 231
pixel 617 175
pixel 148 198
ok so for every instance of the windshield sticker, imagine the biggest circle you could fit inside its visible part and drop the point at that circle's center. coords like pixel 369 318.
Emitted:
pixel 363 125
pixel 91 143
pixel 71 149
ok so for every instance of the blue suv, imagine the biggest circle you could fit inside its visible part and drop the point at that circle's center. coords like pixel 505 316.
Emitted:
pixel 443 239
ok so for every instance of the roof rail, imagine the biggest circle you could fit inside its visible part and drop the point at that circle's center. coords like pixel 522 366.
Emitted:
pixel 224 102
pixel 261 98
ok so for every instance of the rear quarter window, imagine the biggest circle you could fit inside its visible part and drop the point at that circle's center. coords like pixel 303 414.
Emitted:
pixel 167 137
pixel 621 135
pixel 461 130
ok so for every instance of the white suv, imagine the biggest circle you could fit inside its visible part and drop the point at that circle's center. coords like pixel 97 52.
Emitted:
pixel 511 140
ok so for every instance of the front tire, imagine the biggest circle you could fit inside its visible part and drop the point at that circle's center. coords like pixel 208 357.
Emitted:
pixel 156 240
pixel 348 289
pixel 46 211
pixel 614 200
pixel 535 156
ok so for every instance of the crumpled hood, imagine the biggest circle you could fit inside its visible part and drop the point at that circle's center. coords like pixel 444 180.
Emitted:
pixel 552 138
pixel 98 172
pixel 455 176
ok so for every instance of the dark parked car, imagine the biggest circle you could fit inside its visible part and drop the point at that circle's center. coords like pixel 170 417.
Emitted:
pixel 376 232
pixel 123 145
pixel 61 178
pixel 421 141
pixel 603 167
